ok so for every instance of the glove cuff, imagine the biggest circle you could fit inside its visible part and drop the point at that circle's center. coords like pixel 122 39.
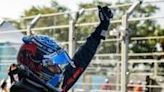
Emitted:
pixel 101 31
pixel 104 25
pixel 104 29
pixel 103 34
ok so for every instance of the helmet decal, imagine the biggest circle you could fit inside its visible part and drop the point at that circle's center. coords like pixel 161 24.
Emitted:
pixel 30 47
pixel 27 51
pixel 44 57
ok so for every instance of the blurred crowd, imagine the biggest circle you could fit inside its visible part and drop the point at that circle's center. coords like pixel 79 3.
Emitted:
pixel 134 86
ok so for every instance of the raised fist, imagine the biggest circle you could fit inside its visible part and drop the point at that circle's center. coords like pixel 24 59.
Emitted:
pixel 105 13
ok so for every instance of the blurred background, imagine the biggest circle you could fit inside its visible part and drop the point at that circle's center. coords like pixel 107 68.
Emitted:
pixel 70 22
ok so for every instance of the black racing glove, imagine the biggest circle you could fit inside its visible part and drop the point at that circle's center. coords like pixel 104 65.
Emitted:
pixel 105 15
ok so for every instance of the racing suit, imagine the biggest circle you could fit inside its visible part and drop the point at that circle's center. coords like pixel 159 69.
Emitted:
pixel 81 59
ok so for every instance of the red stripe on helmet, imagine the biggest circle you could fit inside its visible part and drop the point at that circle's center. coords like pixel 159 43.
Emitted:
pixel 30 47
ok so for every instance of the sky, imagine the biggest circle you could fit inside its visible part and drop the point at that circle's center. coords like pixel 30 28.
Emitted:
pixel 13 9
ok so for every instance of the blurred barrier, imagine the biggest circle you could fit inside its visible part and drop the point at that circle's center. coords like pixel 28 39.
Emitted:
pixel 105 64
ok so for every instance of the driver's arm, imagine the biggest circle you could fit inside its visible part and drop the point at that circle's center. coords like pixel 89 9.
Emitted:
pixel 86 52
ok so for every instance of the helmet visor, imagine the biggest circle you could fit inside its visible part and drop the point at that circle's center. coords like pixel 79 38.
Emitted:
pixel 61 57
pixel 58 61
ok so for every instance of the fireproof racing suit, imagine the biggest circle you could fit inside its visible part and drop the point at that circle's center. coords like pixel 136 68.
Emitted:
pixel 81 59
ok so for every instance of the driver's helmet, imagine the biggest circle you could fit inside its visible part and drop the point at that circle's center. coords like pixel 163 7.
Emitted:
pixel 45 58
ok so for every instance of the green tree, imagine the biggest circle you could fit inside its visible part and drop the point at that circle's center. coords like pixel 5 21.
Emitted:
pixel 144 28
pixel 138 28
pixel 49 21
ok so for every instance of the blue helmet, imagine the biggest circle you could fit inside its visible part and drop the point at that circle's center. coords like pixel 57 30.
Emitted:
pixel 45 58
